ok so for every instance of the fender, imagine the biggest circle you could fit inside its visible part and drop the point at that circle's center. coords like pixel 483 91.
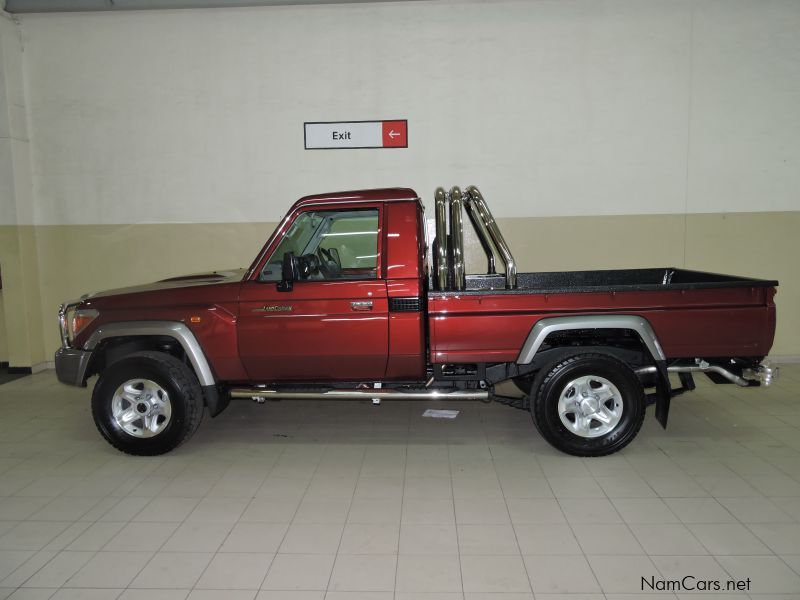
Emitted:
pixel 640 325
pixel 174 329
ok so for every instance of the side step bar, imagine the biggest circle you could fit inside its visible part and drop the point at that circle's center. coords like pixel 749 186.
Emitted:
pixel 361 394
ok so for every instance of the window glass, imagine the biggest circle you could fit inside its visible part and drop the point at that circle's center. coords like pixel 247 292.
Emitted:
pixel 329 245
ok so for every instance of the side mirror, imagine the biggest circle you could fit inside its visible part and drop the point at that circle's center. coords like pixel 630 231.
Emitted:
pixel 288 273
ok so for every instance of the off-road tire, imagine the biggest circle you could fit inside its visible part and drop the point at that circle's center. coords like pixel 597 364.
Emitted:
pixel 176 378
pixel 550 382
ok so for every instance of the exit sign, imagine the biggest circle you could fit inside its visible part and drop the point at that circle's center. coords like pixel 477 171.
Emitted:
pixel 340 135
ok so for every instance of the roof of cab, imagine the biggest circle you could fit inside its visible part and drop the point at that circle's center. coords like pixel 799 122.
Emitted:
pixel 376 195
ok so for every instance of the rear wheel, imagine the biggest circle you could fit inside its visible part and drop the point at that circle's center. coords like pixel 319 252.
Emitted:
pixel 588 404
pixel 147 403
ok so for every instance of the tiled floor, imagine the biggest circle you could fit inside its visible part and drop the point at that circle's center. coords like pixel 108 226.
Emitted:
pixel 345 500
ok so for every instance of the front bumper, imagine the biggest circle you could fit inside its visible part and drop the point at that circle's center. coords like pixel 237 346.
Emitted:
pixel 71 364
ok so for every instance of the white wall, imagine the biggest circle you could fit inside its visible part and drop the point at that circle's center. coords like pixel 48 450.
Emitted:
pixel 571 107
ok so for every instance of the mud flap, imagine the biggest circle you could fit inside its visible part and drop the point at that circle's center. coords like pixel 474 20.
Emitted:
pixel 664 392
pixel 214 402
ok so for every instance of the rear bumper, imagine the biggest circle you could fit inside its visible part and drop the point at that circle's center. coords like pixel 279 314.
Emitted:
pixel 71 365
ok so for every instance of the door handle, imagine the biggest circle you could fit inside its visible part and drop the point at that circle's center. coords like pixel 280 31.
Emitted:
pixel 361 305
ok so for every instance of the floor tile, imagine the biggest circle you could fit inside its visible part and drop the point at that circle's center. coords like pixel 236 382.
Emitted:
pixel 644 510
pixel 59 570
pixel 769 574
pixel 255 537
pixel 312 538
pixel 428 573
pixel 728 539
pixel 197 537
pixel 535 510
pixel 492 539
pixel 546 538
pixel 428 539
pixel 700 510
pixel 363 573
pixel 607 538
pixel 299 572
pixel 369 538
pixel 589 510
pixel 504 574
pixel 172 570
pixel 560 574
pixel 428 511
pixel 139 535
pixel 110 570
pixel 667 539
pixel 235 571
pixel 622 575
pixel 269 511
pixel 781 538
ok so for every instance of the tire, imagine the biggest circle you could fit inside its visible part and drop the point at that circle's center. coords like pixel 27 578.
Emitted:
pixel 588 404
pixel 147 403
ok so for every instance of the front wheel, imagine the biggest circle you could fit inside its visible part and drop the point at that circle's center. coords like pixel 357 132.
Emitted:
pixel 588 404
pixel 147 403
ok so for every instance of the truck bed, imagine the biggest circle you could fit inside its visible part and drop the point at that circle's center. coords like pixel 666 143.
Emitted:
pixel 613 280
pixel 694 314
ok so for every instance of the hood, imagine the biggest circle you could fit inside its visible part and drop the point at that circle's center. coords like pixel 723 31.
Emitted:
pixel 185 281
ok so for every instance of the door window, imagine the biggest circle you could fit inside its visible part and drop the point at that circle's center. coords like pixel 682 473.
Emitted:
pixel 329 244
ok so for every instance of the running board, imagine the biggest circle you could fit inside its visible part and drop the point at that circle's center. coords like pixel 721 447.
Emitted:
pixel 360 394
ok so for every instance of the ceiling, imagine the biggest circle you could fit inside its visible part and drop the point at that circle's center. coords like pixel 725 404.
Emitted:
pixel 34 6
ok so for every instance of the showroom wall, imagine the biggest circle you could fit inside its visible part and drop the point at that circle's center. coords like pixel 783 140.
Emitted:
pixel 22 305
pixel 603 133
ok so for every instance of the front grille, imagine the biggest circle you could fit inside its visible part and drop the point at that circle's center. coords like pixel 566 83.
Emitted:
pixel 405 304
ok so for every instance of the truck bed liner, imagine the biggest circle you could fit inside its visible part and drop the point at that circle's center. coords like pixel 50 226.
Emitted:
pixel 553 282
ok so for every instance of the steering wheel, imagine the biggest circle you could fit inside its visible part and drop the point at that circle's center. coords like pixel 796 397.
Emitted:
pixel 308 265
pixel 329 264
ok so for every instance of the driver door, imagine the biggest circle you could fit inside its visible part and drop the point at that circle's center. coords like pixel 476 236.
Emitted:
pixel 333 324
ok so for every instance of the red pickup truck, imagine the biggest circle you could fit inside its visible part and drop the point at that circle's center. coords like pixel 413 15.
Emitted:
pixel 341 303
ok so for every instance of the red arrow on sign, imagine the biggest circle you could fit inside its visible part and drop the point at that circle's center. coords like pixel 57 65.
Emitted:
pixel 395 134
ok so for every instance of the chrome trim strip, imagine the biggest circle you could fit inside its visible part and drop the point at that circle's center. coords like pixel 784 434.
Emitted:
pixel 546 326
pixel 457 239
pixel 441 239
pixel 63 311
pixel 474 196
pixel 172 329
pixel 382 394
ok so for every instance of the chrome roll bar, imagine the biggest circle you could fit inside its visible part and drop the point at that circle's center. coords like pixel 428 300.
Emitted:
pixel 457 239
pixel 441 239
pixel 473 196
pixel 489 234
pixel 483 235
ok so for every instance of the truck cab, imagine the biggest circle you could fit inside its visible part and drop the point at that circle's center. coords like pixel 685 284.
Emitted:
pixel 350 307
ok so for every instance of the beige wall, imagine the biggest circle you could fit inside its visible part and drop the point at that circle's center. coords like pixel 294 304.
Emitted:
pixel 3 335
pixel 604 133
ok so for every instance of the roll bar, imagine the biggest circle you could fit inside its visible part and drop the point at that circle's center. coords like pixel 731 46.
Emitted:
pixel 489 234
pixel 440 243
pixel 457 239
pixel 474 197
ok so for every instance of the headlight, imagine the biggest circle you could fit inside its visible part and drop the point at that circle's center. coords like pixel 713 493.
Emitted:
pixel 72 321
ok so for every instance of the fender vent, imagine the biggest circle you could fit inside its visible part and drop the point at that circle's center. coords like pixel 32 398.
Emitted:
pixel 405 304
